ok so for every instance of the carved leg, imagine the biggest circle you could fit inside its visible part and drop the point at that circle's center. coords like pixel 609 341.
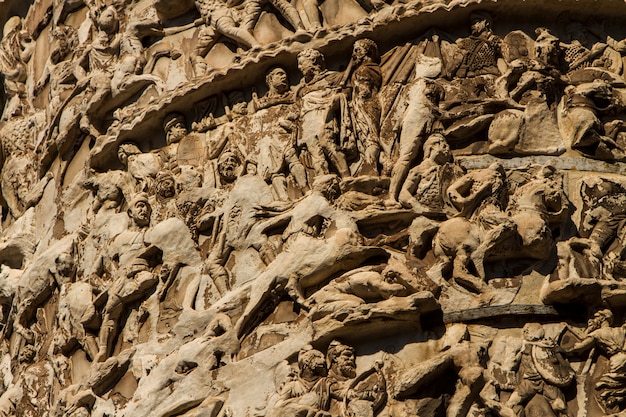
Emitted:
pixel 295 167
pixel 311 9
pixel 228 28
pixel 289 13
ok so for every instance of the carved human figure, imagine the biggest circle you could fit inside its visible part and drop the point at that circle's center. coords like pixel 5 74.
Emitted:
pixel 165 194
pixel 541 73
pixel 188 148
pixel 129 265
pixel 365 107
pixel 580 113
pixel 141 167
pixel 318 99
pixel 360 397
pixel 611 342
pixel 480 197
pixel 464 358
pixel 228 21
pixel 417 124
pixel 284 7
pixel 277 153
pixel 39 289
pixel 16 49
pixel 95 67
pixel 382 292
pixel 581 257
pixel 481 49
pixel 307 394
pixel 75 303
pixel 311 10
pixel 544 371
pixel 59 68
pixel 538 207
pixel 425 187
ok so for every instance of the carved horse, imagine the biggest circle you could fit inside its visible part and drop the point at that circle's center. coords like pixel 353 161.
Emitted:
pixel 525 233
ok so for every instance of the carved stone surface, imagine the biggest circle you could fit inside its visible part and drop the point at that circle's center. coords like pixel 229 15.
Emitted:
pixel 302 208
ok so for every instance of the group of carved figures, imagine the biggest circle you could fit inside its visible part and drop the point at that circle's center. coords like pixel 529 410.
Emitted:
pixel 530 375
pixel 268 180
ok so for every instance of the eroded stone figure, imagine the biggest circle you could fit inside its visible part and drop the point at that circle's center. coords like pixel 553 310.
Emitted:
pixel 15 51
pixel 275 116
pixel 229 21
pixel 610 340
pixel 365 106
pixel 318 98
pixel 480 197
pixel 582 257
pixel 130 266
pixel 544 371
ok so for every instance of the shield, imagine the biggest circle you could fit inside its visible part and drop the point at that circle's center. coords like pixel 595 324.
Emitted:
pixel 552 366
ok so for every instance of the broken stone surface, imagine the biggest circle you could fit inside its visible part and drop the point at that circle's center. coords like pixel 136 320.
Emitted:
pixel 312 208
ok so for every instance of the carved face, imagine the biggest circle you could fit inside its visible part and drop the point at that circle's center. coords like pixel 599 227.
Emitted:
pixel 227 168
pixel 313 363
pixel 251 169
pixel 140 213
pixel 344 363
pixel 107 21
pixel 277 81
pixel 65 264
pixel 166 187
pixel 533 332
pixel 359 53
pixel 122 156
pixel 307 66
pixel 176 132
pixel 438 150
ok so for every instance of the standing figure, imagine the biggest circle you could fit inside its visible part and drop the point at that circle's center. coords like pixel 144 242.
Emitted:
pixel 274 119
pixel 129 264
pixel 611 341
pixel 365 106
pixel 15 51
pixel 318 98
pixel 543 371
pixel 417 124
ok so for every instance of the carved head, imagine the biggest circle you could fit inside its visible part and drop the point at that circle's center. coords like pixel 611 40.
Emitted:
pixel 227 166
pixel 165 185
pixel 189 177
pixel 365 50
pixel 175 128
pixel 602 318
pixel 65 39
pixel 125 150
pixel 277 80
pixel 310 62
pixel 251 167
pixel 237 102
pixel 480 22
pixel 436 148
pixel 311 363
pixel 547 49
pixel 140 211
pixel 64 264
pixel 107 20
pixel 533 332
pixel 341 361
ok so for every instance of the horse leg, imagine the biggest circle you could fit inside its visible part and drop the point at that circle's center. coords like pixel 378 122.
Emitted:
pixel 462 275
